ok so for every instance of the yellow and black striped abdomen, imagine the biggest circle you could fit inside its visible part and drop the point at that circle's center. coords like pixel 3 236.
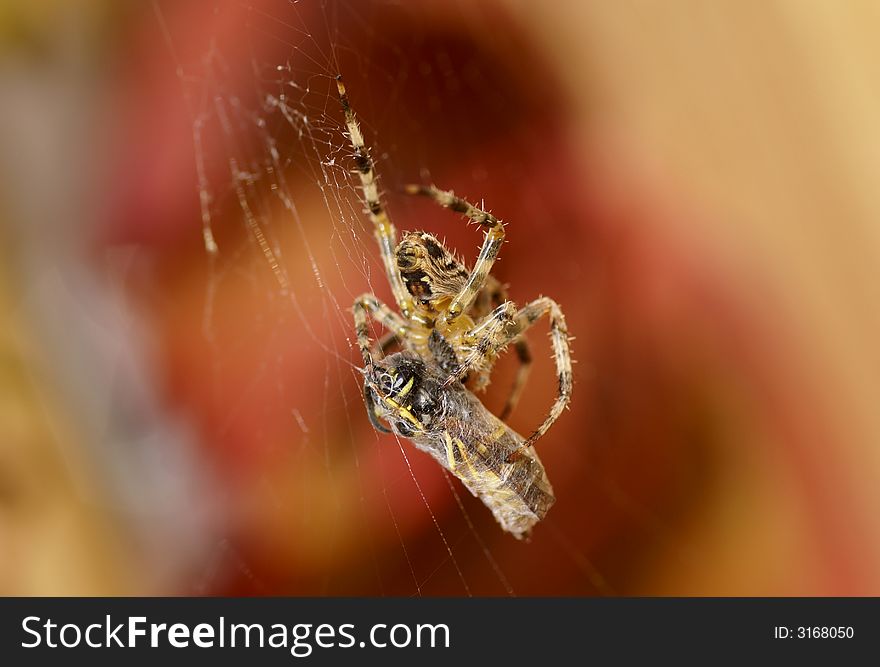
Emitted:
pixel 484 453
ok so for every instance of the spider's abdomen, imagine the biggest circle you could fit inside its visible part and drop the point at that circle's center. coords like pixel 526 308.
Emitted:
pixel 429 271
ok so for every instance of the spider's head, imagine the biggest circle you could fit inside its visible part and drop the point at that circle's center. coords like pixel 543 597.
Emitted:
pixel 429 271
pixel 398 390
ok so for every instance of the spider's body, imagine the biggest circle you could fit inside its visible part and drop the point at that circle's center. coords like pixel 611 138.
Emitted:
pixel 433 277
pixel 452 326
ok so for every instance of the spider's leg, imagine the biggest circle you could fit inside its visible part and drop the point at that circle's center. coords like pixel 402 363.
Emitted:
pixel 501 328
pixel 494 237
pixel 492 295
pixel 492 334
pixel 365 305
pixel 525 318
pixel 385 342
pixel 524 355
pixel 383 228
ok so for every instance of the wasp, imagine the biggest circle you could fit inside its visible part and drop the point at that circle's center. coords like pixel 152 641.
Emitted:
pixel 451 424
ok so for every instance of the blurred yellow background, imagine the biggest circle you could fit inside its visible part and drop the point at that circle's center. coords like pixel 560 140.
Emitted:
pixel 766 114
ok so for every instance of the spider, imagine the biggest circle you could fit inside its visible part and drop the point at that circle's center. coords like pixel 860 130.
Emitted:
pixel 452 326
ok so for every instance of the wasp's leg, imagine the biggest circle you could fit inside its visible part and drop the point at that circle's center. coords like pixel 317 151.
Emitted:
pixel 494 237
pixel 383 228
pixel 367 304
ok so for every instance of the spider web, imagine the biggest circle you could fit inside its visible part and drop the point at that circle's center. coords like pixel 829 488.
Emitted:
pixel 315 501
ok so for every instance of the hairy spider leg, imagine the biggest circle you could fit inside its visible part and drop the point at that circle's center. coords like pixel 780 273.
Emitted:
pixel 387 341
pixel 494 237
pixel 486 337
pixel 364 305
pixel 383 228
pixel 488 299
pixel 493 295
pixel 367 304
pixel 494 334
pixel 524 356
pixel 525 318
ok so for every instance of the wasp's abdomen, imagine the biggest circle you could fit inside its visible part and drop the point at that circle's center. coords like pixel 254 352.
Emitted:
pixel 484 453
pixel 517 492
